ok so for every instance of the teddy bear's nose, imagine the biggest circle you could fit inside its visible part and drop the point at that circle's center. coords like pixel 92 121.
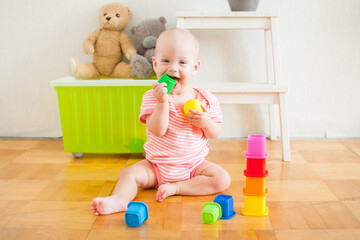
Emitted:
pixel 108 18
pixel 149 42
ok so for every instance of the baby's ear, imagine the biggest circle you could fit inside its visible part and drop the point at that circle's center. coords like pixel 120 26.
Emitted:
pixel 196 66
pixel 154 62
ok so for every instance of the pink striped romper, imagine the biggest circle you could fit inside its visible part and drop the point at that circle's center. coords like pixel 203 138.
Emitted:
pixel 176 155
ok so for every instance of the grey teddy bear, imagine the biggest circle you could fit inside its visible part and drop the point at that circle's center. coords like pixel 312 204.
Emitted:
pixel 146 33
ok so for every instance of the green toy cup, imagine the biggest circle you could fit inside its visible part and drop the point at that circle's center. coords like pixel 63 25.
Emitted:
pixel 211 212
pixel 170 83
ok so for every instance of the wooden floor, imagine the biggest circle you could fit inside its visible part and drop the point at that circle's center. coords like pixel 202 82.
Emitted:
pixel 45 194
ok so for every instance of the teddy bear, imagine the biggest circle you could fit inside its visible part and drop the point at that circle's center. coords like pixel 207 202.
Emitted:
pixel 146 33
pixel 107 44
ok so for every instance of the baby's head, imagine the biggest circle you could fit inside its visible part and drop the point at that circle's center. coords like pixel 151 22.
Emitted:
pixel 176 54
pixel 178 38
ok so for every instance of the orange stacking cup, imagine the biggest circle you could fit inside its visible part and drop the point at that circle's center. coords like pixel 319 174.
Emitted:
pixel 255 186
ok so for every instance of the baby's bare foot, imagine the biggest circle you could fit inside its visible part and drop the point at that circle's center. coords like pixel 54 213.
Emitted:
pixel 166 190
pixel 108 205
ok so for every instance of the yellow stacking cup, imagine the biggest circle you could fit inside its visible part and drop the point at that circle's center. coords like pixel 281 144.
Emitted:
pixel 255 206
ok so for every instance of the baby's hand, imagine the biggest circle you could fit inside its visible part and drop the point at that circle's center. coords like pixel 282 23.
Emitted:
pixel 199 119
pixel 159 91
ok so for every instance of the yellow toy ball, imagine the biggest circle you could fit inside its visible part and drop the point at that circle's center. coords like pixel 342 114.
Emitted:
pixel 193 104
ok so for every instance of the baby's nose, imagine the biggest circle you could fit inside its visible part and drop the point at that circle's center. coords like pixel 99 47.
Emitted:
pixel 173 68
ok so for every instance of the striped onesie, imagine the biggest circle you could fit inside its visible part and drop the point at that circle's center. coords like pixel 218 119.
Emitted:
pixel 176 155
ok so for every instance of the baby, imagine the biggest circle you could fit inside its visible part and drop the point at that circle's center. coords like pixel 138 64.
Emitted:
pixel 177 144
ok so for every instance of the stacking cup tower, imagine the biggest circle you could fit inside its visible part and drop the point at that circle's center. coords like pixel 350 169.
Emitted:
pixel 255 173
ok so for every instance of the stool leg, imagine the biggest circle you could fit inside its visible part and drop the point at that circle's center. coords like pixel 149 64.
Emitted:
pixel 270 79
pixel 272 122
pixel 284 127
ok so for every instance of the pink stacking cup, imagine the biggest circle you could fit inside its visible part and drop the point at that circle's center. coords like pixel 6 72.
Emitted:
pixel 256 147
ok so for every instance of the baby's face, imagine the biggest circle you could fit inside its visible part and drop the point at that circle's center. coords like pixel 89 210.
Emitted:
pixel 177 57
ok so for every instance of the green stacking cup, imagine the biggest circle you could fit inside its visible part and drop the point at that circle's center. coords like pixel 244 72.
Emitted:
pixel 211 212
pixel 170 83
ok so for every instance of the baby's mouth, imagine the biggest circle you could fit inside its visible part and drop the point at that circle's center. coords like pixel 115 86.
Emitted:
pixel 177 81
pixel 175 78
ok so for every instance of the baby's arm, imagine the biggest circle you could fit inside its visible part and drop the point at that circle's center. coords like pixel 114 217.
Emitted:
pixel 213 130
pixel 158 122
pixel 203 120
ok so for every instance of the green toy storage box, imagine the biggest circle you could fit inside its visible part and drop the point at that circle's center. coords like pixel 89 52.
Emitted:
pixel 101 116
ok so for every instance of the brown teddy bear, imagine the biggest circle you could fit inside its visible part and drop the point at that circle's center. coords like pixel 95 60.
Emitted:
pixel 107 44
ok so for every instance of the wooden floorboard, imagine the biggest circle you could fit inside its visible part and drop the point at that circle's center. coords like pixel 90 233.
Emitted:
pixel 45 194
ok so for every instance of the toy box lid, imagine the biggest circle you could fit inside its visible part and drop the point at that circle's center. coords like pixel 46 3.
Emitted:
pixel 73 82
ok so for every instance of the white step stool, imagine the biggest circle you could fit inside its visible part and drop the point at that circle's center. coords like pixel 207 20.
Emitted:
pixel 272 92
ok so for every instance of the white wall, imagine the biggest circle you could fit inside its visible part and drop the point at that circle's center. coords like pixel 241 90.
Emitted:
pixel 320 54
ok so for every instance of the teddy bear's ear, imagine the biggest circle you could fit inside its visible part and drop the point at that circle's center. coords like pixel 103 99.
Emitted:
pixel 130 14
pixel 162 20
pixel 133 30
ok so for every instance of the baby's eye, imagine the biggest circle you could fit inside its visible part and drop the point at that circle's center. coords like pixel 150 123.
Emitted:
pixel 182 62
pixel 117 15
pixel 165 60
pixel 105 14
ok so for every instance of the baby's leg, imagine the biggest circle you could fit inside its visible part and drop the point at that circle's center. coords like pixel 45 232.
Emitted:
pixel 141 174
pixel 209 178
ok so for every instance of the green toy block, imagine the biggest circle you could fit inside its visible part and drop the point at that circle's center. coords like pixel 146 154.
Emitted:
pixel 170 83
pixel 211 212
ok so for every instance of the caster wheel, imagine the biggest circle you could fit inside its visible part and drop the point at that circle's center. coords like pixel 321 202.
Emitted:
pixel 78 155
